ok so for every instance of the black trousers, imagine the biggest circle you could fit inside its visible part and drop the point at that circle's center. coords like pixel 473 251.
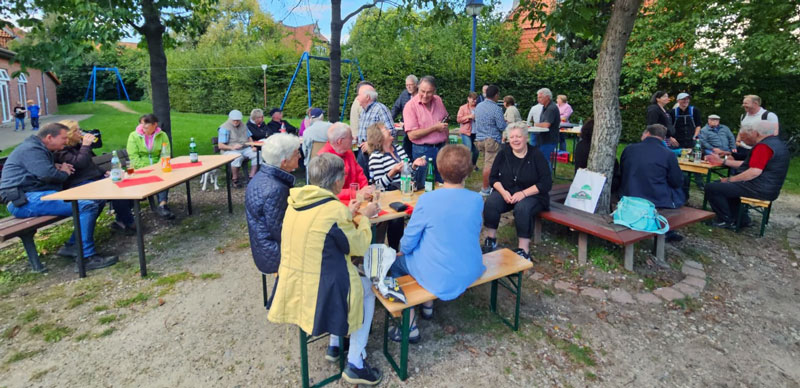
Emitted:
pixel 524 211
pixel 725 198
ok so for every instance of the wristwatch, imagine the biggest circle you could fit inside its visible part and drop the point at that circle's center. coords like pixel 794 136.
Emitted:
pixel 724 159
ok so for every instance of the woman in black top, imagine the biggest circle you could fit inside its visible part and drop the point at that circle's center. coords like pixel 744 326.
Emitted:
pixel 656 114
pixel 521 180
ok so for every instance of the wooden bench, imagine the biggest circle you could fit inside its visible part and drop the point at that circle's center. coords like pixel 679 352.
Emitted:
pixel 602 226
pixel 25 229
pixel 761 206
pixel 503 267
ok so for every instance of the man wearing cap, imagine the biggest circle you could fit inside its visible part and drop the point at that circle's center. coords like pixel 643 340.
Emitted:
pixel 717 138
pixel 317 131
pixel 232 135
pixel 687 120
pixel 278 124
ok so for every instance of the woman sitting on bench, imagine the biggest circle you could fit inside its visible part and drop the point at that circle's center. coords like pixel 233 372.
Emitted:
pixel 521 181
pixel 441 244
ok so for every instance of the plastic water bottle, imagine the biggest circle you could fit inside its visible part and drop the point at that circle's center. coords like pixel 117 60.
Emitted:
pixel 283 127
pixel 116 168
pixel 166 165
pixel 193 157
pixel 580 124
pixel 698 151
pixel 405 179
pixel 430 178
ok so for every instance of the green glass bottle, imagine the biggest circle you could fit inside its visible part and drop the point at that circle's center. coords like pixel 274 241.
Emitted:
pixel 430 179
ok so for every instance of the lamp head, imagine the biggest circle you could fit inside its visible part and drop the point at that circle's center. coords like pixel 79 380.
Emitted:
pixel 264 67
pixel 474 7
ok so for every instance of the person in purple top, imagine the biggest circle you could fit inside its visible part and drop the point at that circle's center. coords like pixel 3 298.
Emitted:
pixel 440 247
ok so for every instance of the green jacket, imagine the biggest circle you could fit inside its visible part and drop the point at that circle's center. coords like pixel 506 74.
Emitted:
pixel 138 153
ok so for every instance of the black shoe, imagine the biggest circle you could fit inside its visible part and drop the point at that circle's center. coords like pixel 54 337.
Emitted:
pixel 746 222
pixel 366 375
pixel 237 184
pixel 672 236
pixel 97 262
pixel 128 230
pixel 723 224
pixel 165 213
pixel 68 251
pixel 523 254
pixel 489 245
pixel 332 353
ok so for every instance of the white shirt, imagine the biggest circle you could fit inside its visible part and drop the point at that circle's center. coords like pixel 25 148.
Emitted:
pixel 535 115
pixel 753 119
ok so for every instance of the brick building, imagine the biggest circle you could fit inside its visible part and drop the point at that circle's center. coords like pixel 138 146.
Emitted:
pixel 305 38
pixel 37 85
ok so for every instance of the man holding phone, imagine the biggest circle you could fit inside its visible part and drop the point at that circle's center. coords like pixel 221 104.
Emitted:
pixel 425 120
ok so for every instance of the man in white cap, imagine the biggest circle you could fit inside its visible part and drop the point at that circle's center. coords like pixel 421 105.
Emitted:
pixel 232 135
pixel 687 120
pixel 717 138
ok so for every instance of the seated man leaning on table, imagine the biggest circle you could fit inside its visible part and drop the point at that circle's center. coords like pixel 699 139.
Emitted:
pixel 340 143
pixel 31 173
pixel 440 247
pixel 233 133
pixel 144 149
pixel 762 173
pixel 717 138
pixel 319 288
pixel 650 170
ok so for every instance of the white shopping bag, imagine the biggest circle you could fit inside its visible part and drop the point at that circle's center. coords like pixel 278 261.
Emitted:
pixel 377 261
pixel 585 190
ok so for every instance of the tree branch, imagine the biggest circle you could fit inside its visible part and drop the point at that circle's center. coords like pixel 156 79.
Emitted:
pixel 361 8
pixel 135 27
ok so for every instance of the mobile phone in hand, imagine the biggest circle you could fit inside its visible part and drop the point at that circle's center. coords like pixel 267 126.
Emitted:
pixel 444 120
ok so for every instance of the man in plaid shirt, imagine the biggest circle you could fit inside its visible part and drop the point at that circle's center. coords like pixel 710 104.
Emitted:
pixel 374 112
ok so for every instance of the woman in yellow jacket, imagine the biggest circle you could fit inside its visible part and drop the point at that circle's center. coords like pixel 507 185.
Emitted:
pixel 319 288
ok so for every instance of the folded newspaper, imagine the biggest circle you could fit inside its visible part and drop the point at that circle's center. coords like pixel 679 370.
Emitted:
pixel 377 261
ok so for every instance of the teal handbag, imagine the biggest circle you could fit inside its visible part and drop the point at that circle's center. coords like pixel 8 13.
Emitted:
pixel 640 214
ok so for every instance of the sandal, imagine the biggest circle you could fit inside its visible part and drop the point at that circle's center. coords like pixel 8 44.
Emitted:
pixel 426 312
pixel 413 334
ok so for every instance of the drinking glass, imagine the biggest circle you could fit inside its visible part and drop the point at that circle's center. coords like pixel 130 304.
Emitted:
pixel 354 191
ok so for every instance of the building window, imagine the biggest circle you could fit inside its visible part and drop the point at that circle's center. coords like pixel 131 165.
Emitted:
pixel 22 86
pixel 5 101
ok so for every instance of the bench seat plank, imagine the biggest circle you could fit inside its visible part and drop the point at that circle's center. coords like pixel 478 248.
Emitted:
pixel 11 227
pixel 500 263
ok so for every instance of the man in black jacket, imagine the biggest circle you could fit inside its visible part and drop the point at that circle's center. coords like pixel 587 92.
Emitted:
pixel 762 176
pixel 278 124
pixel 30 173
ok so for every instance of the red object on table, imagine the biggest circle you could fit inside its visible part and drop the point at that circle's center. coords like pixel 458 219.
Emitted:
pixel 382 212
pixel 410 209
pixel 138 181
pixel 186 165
pixel 143 171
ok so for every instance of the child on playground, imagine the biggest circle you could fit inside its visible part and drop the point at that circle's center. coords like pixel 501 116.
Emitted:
pixel 34 111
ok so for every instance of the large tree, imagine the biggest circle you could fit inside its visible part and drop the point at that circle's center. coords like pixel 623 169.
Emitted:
pixel 68 28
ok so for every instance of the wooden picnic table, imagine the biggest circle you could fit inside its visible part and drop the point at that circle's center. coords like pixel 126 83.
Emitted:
pixel 105 189
pixel 703 168
pixel 388 197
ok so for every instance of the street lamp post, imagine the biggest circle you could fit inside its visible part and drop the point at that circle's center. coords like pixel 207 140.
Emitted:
pixel 473 9
pixel 264 67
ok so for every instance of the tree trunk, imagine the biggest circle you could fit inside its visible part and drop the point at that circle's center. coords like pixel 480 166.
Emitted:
pixel 607 119
pixel 153 31
pixel 336 61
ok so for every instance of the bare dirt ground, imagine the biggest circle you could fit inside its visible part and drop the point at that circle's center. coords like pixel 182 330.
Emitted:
pixel 119 106
pixel 198 320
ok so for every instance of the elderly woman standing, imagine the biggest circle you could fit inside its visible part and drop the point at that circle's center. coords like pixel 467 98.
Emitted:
pixel 319 288
pixel 440 247
pixel 656 114
pixel 521 180
pixel 265 199
pixel 465 118
pixel 512 114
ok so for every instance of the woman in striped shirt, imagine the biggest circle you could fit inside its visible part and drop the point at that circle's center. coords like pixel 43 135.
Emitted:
pixel 386 158
pixel 385 164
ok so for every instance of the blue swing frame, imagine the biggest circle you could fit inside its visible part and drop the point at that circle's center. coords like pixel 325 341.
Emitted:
pixel 93 83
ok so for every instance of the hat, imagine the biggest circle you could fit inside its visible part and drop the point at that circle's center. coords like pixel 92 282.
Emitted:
pixel 715 117
pixel 315 112
pixel 274 110
pixel 681 96
pixel 235 115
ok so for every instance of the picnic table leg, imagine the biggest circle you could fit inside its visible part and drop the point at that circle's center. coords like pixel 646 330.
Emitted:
pixel 583 242
pixel 493 297
pixel 519 300
pixel 629 257
pixel 228 185
pixel 188 197
pixel 304 358
pixel 405 328
pixel 708 180
pixel 76 218
pixel 660 245
pixel 30 251
pixel 537 230
pixel 137 213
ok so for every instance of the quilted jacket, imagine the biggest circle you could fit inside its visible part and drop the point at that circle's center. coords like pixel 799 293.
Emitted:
pixel 265 204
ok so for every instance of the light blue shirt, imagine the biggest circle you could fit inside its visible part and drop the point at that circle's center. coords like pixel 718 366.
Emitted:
pixel 223 135
pixel 441 243
pixel 489 121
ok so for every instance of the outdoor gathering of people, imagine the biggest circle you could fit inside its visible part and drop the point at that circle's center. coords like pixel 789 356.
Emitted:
pixel 313 236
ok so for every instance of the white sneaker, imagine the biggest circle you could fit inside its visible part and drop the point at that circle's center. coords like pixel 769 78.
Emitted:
pixel 485 192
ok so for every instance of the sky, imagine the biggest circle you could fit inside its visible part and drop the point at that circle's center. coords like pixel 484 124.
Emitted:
pixel 302 12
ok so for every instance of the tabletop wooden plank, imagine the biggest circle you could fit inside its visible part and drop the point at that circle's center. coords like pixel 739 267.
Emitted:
pixel 107 190
pixel 388 197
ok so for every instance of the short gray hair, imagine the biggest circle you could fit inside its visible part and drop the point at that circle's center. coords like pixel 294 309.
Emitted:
pixel 279 147
pixel 546 92
pixel 520 126
pixel 372 94
pixel 256 113
pixel 338 131
pixel 325 170
pixel 762 127
pixel 413 78
pixel 429 79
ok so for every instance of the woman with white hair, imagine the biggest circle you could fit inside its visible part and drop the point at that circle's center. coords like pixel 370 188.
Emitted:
pixel 521 181
pixel 256 125
pixel 265 199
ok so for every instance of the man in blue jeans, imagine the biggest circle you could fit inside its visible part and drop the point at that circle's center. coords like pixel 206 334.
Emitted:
pixel 550 119
pixel 30 173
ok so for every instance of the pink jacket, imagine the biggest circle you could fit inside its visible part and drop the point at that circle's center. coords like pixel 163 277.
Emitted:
pixel 461 118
